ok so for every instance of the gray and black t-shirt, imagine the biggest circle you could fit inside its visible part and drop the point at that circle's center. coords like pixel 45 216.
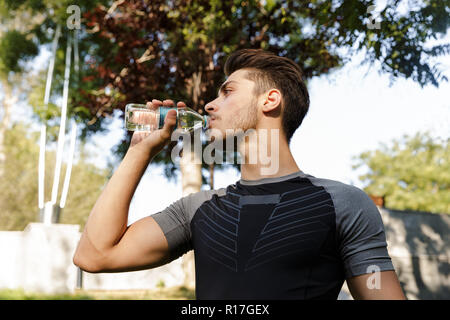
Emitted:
pixel 290 237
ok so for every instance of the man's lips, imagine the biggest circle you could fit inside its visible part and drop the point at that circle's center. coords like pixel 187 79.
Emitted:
pixel 210 121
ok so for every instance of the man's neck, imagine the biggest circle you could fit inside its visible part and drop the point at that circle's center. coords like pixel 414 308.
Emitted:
pixel 268 157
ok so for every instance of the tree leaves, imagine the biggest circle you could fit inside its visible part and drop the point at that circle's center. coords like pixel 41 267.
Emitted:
pixel 412 174
pixel 15 47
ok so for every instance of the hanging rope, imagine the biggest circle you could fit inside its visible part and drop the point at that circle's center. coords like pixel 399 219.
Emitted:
pixel 41 167
pixel 62 127
pixel 48 85
pixel 51 66
pixel 75 52
pixel 73 135
pixel 65 190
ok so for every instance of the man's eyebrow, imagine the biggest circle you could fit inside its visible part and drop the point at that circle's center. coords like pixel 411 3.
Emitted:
pixel 224 85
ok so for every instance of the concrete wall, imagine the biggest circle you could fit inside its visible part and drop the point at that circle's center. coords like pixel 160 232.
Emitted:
pixel 419 246
pixel 40 259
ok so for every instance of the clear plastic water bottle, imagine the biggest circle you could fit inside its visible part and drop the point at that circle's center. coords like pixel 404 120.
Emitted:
pixel 140 118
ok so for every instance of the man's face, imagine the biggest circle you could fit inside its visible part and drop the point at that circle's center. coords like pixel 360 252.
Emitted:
pixel 236 107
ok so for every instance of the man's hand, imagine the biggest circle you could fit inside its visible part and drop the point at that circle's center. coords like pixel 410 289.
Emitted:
pixel 155 141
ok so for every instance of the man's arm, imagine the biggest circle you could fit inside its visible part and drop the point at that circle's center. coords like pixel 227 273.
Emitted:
pixel 107 244
pixel 382 285
pixel 363 246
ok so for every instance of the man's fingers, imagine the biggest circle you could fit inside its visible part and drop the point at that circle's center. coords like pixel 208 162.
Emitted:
pixel 152 105
pixel 181 104
pixel 168 103
pixel 156 103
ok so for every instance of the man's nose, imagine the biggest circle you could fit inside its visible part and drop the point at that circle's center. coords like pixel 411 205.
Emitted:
pixel 211 107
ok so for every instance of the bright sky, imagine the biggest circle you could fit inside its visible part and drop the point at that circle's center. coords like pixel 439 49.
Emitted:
pixel 351 111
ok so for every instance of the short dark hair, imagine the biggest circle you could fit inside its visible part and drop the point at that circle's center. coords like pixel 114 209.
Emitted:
pixel 271 71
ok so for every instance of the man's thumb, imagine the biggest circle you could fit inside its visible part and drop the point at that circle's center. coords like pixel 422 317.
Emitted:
pixel 170 121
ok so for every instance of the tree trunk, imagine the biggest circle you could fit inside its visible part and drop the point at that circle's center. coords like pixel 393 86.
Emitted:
pixel 191 179
pixel 191 175
pixel 211 176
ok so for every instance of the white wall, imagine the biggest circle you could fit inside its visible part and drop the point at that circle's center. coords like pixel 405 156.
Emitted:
pixel 39 259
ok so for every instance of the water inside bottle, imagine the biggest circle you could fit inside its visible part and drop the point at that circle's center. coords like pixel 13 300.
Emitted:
pixel 189 119
pixel 139 118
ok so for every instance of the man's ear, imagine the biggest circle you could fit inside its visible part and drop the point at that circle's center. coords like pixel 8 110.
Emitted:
pixel 272 100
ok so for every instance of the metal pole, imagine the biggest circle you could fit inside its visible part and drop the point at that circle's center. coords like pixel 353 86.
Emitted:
pixel 79 278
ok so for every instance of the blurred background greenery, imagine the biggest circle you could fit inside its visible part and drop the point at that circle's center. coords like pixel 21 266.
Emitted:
pixel 173 293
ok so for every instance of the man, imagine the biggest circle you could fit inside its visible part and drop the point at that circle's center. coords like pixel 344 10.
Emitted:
pixel 281 234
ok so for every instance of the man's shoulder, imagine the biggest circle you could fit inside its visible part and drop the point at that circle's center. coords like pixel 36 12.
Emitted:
pixel 205 194
pixel 186 206
pixel 345 196
pixel 193 200
pixel 353 207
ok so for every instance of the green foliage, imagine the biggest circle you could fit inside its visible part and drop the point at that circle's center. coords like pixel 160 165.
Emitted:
pixel 27 26
pixel 402 41
pixel 19 294
pixel 13 5
pixel 15 48
pixel 166 293
pixel 412 174
pixel 19 183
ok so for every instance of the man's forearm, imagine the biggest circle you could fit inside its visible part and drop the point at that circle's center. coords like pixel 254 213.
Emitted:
pixel 108 219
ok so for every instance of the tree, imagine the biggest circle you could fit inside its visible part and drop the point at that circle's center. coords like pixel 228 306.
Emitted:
pixel 14 48
pixel 20 42
pixel 412 174
pixel 18 186
pixel 176 49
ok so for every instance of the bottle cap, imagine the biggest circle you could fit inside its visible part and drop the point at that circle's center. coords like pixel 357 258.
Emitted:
pixel 205 122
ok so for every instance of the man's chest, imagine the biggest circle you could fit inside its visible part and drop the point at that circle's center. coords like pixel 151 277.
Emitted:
pixel 240 233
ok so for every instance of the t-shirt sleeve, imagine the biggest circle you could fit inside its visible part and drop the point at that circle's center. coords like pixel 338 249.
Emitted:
pixel 175 221
pixel 361 234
